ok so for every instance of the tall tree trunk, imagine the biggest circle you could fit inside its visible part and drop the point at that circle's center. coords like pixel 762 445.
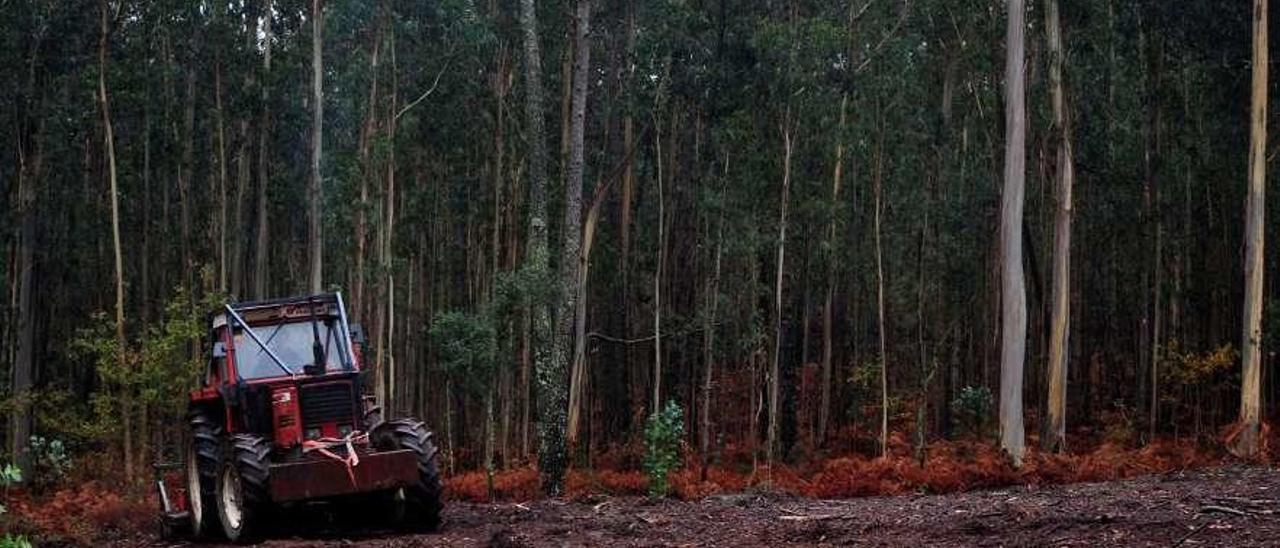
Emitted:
pixel 551 384
pixel 386 369
pixel 126 401
pixel 260 266
pixel 635 371
pixel 1013 295
pixel 1055 426
pixel 775 366
pixel 243 171
pixel 222 175
pixel 315 193
pixel 572 261
pixel 1246 442
pixel 143 260
pixel 1150 46
pixel 367 173
pixel 23 357
pixel 144 266
pixel 500 82
pixel 881 327
pixel 566 101
pixel 186 174
pixel 23 372
pixel 828 305
pixel 709 333
pixel 775 370
pixel 655 403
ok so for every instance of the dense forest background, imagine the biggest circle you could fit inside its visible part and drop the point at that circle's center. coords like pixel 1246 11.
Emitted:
pixel 783 215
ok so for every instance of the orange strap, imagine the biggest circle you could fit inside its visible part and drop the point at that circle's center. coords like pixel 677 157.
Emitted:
pixel 323 445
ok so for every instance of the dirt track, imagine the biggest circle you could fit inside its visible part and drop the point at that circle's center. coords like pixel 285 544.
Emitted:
pixel 1232 506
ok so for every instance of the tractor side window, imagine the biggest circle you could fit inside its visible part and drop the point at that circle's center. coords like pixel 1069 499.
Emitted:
pixel 217 364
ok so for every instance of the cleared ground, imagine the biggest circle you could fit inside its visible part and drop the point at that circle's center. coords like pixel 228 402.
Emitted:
pixel 1229 506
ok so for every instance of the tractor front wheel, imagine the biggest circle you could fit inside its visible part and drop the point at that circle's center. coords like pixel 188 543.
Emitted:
pixel 243 499
pixel 416 506
pixel 204 456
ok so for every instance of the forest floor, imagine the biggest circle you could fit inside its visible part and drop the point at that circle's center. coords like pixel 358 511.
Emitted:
pixel 1222 506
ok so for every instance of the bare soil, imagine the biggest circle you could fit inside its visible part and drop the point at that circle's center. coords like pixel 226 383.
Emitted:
pixel 1226 506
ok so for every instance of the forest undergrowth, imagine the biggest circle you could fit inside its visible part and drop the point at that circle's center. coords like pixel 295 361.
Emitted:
pixel 950 466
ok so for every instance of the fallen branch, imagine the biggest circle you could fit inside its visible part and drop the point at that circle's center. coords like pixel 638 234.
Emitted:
pixel 1224 510
pixel 1245 501
pixel 819 517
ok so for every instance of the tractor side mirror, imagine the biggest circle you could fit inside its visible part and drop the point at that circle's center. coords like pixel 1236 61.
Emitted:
pixel 357 334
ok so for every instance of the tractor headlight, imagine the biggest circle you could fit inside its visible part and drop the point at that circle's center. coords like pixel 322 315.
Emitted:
pixel 312 434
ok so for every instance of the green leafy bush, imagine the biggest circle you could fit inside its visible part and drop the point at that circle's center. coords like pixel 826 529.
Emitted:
pixel 14 541
pixel 973 409
pixel 663 433
pixel 156 368
pixel 10 475
pixel 49 461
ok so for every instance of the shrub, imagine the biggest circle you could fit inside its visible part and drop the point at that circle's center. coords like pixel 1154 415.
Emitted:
pixel 49 460
pixel 14 541
pixel 662 435
pixel 10 475
pixel 973 409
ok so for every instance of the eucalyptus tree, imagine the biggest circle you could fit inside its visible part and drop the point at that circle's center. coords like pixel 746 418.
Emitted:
pixel 1013 297
pixel 1246 442
pixel 549 369
pixel 315 187
pixel 1055 428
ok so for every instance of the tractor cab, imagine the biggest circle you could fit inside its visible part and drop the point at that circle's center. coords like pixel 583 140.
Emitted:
pixel 287 370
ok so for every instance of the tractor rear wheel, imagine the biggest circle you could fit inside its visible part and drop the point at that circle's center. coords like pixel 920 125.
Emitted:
pixel 416 506
pixel 243 499
pixel 204 457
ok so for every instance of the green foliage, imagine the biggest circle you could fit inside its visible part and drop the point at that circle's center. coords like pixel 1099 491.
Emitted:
pixel 465 345
pixel 10 540
pixel 49 461
pixel 524 286
pixel 158 369
pixel 9 475
pixel 864 384
pixel 973 410
pixel 663 435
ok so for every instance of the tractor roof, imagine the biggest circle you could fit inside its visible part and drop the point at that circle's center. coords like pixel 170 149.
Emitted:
pixel 282 310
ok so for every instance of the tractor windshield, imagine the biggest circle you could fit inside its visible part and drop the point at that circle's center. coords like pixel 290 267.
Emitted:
pixel 292 342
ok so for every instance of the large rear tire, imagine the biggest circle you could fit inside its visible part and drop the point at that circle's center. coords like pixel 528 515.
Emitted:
pixel 416 506
pixel 204 457
pixel 243 499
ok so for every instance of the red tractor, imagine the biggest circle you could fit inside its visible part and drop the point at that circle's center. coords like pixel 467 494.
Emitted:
pixel 281 418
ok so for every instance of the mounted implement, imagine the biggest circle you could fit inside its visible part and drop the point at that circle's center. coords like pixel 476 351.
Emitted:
pixel 281 418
